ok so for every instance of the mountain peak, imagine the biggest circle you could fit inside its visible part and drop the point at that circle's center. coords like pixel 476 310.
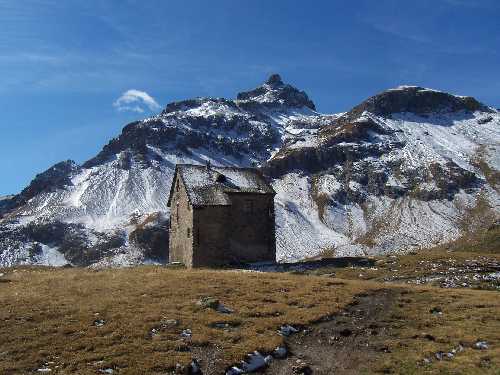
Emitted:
pixel 276 93
pixel 274 80
pixel 418 100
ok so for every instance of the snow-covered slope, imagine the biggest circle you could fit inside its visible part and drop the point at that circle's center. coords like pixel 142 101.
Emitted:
pixel 405 169
pixel 383 179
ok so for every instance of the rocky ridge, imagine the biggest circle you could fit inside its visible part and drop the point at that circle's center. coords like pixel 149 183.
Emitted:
pixel 407 168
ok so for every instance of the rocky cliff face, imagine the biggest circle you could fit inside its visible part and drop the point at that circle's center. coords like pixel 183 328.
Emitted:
pixel 407 168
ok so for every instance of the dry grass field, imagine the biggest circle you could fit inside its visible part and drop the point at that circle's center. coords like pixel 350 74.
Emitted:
pixel 131 321
pixel 51 317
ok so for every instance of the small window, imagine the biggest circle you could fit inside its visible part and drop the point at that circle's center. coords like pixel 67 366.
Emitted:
pixel 189 232
pixel 177 186
pixel 248 206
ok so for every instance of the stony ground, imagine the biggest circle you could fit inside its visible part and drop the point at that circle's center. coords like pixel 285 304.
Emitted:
pixel 398 331
pixel 344 344
pixel 343 316
pixel 437 268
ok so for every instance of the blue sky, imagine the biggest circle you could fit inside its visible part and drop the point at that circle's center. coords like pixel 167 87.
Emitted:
pixel 65 64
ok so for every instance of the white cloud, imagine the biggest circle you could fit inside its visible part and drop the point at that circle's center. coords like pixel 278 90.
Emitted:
pixel 136 101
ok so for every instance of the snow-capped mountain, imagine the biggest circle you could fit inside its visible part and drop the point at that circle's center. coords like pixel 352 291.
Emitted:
pixel 407 168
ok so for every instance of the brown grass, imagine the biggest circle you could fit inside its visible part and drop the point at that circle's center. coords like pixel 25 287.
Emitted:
pixel 478 217
pixel 415 333
pixel 47 316
pixel 483 241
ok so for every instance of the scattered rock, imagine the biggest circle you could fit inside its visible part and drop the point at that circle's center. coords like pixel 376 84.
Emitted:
pixel 436 310
pixel 439 355
pixel 99 322
pixel 333 339
pixel 484 120
pixel 186 333
pixel 481 345
pixel 287 330
pixel 155 332
pixel 234 371
pixel 214 304
pixel 445 355
pixel 223 309
pixel 280 352
pixel 168 323
pixel 194 367
pixel 108 370
pixel 300 367
pixel 256 361
pixel 180 369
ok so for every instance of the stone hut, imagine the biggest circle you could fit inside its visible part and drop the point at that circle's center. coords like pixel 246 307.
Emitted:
pixel 220 216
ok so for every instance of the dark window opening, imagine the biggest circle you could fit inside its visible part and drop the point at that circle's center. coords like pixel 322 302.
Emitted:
pixel 189 232
pixel 177 212
pixel 177 186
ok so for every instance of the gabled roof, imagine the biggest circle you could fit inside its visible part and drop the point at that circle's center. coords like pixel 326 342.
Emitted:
pixel 211 186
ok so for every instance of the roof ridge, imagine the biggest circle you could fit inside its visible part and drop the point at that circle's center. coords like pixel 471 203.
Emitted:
pixel 203 189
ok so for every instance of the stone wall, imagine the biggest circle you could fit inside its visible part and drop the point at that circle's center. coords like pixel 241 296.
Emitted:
pixel 181 225
pixel 252 237
pixel 211 236
pixel 220 235
pixel 242 232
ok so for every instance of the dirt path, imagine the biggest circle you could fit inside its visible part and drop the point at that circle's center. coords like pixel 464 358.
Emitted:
pixel 345 344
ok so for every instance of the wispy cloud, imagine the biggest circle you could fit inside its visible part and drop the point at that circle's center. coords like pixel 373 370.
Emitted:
pixel 136 101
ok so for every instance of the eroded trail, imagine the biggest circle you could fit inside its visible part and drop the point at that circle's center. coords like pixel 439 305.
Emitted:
pixel 346 343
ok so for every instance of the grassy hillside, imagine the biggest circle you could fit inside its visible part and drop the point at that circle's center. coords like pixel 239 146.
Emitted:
pixel 131 321
pixel 482 241
pixel 50 315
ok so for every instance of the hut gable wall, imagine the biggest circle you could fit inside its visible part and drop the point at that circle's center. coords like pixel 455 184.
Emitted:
pixel 212 230
pixel 252 227
pixel 221 216
pixel 181 225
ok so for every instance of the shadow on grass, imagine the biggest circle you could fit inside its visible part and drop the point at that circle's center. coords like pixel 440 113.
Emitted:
pixel 341 262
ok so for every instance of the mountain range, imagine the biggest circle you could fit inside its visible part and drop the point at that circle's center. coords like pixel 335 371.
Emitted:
pixel 406 169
